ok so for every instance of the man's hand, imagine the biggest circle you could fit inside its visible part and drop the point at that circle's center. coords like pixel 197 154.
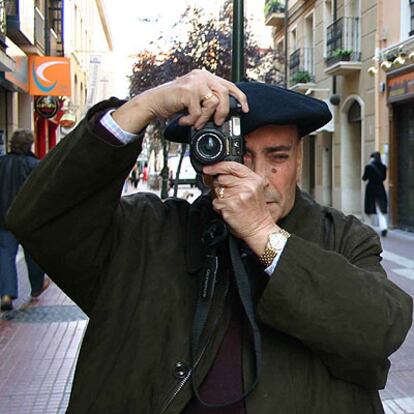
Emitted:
pixel 241 201
pixel 200 93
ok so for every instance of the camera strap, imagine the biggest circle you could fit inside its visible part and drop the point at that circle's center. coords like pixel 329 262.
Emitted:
pixel 215 236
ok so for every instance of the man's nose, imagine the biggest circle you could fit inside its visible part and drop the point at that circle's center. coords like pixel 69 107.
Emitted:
pixel 261 168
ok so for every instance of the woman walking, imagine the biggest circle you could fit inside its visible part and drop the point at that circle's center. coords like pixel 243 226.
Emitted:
pixel 375 196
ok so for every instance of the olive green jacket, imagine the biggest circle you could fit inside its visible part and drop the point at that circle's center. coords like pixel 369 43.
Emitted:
pixel 329 317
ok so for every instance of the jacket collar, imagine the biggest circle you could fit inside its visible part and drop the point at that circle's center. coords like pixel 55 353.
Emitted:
pixel 304 220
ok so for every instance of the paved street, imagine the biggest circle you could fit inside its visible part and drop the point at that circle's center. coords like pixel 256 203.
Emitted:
pixel 39 342
pixel 398 256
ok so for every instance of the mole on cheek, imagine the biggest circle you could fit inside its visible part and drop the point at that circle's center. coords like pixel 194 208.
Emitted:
pixel 274 170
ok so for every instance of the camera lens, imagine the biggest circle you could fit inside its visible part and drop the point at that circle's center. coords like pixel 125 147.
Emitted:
pixel 209 147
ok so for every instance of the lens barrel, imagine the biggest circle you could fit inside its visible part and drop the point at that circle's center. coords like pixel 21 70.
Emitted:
pixel 208 147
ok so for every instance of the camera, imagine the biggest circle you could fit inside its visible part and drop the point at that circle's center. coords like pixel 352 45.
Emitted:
pixel 213 143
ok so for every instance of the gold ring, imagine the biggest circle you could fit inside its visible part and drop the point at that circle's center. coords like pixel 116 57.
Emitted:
pixel 220 192
pixel 207 97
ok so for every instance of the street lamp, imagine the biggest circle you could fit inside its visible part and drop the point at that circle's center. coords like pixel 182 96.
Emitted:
pixel 237 67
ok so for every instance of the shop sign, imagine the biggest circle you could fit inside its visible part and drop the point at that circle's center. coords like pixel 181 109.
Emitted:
pixel 47 106
pixel 49 76
pixel 68 119
pixel 401 87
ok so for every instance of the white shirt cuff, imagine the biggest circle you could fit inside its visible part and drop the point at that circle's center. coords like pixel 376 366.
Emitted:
pixel 110 125
pixel 269 270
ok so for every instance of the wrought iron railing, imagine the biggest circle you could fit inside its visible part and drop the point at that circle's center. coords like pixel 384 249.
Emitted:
pixel 343 40
pixel 2 23
pixel 301 66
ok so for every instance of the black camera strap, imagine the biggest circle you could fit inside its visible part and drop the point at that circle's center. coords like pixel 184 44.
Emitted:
pixel 207 285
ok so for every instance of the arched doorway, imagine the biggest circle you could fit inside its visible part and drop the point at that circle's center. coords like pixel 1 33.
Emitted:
pixel 351 156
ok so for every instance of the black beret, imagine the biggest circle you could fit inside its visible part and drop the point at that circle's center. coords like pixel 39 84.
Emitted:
pixel 269 104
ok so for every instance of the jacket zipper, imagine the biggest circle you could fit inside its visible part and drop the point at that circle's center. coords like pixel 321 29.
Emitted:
pixel 184 380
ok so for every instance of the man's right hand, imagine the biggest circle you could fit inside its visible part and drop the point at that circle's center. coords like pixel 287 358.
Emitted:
pixel 200 93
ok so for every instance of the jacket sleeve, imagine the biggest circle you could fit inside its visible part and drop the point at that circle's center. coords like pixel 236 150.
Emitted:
pixel 339 304
pixel 64 211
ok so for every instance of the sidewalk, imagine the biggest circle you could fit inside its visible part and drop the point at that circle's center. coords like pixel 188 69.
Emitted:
pixel 39 342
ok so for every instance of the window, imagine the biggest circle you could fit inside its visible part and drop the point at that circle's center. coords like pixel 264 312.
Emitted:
pixel 293 39
pixel 411 17
pixel 308 55
pixel 328 20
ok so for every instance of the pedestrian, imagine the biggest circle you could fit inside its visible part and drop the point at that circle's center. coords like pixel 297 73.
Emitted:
pixel 254 299
pixel 134 176
pixel 15 167
pixel 375 196
pixel 145 173
pixel 170 180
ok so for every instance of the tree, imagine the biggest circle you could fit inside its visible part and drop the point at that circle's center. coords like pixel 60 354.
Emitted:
pixel 206 45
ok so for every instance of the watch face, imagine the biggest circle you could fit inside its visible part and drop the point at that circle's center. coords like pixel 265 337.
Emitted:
pixel 277 241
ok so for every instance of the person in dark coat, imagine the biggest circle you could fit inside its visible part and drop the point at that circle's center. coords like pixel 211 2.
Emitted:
pixel 375 196
pixel 15 167
pixel 142 268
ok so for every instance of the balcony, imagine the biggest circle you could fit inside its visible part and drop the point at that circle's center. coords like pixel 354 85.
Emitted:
pixel 301 69
pixel 274 13
pixel 343 50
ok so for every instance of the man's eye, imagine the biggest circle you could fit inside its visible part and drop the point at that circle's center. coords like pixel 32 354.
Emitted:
pixel 279 157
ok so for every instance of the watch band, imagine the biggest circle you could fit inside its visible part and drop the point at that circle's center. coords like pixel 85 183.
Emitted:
pixel 275 242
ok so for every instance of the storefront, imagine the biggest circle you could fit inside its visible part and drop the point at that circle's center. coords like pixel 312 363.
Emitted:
pixel 401 174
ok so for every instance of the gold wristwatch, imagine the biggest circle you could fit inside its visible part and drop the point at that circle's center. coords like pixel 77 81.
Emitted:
pixel 275 243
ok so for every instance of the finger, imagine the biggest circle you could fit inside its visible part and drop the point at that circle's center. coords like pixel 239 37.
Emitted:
pixel 223 104
pixel 238 94
pixel 227 167
pixel 208 107
pixel 194 112
pixel 226 180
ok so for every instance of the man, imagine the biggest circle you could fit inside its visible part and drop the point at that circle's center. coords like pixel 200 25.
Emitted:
pixel 15 167
pixel 328 316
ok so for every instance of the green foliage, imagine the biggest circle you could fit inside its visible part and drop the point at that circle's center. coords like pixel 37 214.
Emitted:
pixel 339 53
pixel 273 6
pixel 301 76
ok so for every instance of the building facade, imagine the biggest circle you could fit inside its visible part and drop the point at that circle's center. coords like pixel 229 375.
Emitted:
pixel 88 43
pixel 51 66
pixel 330 45
pixel 394 78
pixel 30 28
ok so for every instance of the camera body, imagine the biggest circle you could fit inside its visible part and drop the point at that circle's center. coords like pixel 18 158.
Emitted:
pixel 213 143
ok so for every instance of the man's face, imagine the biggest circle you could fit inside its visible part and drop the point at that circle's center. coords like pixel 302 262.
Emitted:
pixel 274 152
